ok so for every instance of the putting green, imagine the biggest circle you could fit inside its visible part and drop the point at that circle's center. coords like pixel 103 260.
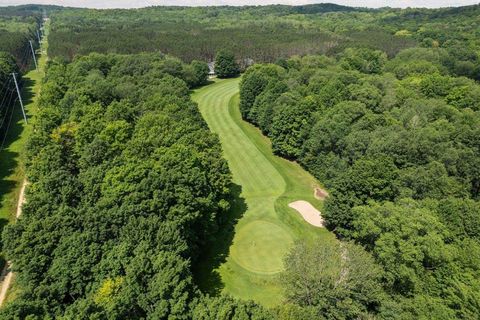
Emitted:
pixel 260 247
pixel 267 227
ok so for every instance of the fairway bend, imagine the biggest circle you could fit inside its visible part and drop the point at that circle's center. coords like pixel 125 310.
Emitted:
pixel 261 239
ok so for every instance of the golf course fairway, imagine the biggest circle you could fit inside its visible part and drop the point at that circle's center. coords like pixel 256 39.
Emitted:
pixel 266 227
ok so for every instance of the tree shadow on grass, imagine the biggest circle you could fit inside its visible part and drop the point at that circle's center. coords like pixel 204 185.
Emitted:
pixel 209 82
pixel 217 249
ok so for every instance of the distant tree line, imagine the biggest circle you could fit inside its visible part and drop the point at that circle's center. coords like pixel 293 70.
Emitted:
pixel 197 42
pixel 263 34
pixel 268 33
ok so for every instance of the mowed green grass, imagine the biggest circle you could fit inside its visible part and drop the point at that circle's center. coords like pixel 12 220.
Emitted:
pixel 268 227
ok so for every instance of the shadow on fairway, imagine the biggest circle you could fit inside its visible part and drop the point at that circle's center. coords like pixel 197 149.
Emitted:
pixel 217 248
pixel 209 82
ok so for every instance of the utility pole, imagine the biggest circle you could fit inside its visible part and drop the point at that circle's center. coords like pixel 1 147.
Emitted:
pixel 19 97
pixel 33 54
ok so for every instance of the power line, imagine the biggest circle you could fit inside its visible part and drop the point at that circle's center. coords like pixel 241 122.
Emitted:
pixel 19 96
pixel 6 87
pixel 33 55
pixel 8 126
pixel 9 106
pixel 6 84
pixel 6 111
pixel 23 61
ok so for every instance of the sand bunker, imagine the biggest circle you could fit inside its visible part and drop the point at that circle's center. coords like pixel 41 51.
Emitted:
pixel 308 212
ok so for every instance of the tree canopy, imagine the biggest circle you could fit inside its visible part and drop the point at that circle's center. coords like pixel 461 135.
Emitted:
pixel 395 142
pixel 225 65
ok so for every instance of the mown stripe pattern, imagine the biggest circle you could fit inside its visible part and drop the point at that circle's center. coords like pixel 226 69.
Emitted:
pixel 268 227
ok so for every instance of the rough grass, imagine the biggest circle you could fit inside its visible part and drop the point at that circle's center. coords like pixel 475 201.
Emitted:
pixel 247 255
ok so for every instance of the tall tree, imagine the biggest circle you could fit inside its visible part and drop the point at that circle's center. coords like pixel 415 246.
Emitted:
pixel 225 65
pixel 341 280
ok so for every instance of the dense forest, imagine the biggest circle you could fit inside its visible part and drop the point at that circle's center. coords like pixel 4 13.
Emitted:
pixel 267 33
pixel 396 143
pixel 259 33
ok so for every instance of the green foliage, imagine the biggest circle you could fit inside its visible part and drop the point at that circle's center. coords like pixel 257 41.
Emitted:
pixel 7 66
pixel 338 280
pixel 227 308
pixel 289 126
pixel 401 162
pixel 406 240
pixel 416 250
pixel 466 96
pixel 254 82
pixel 275 32
pixel 200 70
pixel 192 33
pixel 366 93
pixel 461 217
pixel 225 65
pixel 263 34
pixel 363 60
pixel 288 311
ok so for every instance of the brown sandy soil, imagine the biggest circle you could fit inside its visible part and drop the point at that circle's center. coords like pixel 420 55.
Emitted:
pixel 7 279
pixel 308 212
pixel 21 199
pixel 320 193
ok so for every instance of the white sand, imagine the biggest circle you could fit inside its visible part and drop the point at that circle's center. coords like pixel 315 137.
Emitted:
pixel 308 212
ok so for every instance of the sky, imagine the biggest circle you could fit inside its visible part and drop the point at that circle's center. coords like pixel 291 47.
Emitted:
pixel 144 3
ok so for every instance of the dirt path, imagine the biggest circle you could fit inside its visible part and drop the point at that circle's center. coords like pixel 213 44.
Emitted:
pixel 21 199
pixel 7 279
pixel 7 274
